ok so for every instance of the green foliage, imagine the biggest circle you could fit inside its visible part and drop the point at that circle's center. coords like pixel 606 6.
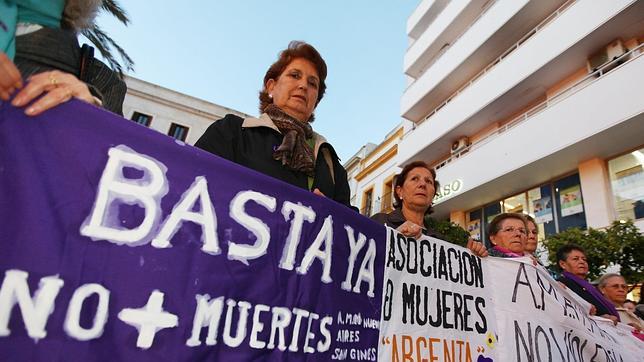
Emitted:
pixel 621 243
pixel 631 255
pixel 452 232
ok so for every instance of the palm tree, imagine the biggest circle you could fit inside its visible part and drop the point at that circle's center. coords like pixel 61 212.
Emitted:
pixel 104 43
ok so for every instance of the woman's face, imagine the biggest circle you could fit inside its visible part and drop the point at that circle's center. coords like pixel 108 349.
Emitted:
pixel 295 91
pixel 575 263
pixel 533 232
pixel 615 290
pixel 417 191
pixel 511 235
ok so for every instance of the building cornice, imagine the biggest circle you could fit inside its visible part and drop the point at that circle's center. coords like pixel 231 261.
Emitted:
pixel 388 155
pixel 394 137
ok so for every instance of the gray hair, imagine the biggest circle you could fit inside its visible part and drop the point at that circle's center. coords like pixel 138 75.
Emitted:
pixel 603 280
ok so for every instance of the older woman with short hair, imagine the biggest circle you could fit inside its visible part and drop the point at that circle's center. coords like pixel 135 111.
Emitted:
pixel 414 190
pixel 574 264
pixel 507 234
pixel 281 142
pixel 613 287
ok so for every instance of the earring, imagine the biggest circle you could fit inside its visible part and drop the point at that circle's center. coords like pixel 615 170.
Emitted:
pixel 270 95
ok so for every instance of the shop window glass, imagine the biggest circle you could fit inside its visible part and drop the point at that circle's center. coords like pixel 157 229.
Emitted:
pixel 489 212
pixel 515 204
pixel 570 203
pixel 539 206
pixel 474 225
pixel 627 181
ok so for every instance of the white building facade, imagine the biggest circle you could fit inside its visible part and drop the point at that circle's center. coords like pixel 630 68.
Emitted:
pixel 532 106
pixel 172 113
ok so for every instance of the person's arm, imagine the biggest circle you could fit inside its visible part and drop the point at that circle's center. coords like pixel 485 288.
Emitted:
pixel 221 136
pixel 342 191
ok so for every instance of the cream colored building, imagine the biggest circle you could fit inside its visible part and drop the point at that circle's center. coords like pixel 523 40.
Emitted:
pixel 371 172
pixel 532 106
pixel 172 113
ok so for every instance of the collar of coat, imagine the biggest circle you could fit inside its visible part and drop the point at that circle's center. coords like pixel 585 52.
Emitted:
pixel 265 121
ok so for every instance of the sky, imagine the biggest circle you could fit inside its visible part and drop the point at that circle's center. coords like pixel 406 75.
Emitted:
pixel 219 51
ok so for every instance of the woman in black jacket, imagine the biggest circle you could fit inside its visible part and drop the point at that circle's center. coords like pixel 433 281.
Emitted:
pixel 414 190
pixel 280 142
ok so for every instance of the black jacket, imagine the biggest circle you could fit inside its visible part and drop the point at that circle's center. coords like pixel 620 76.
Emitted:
pixel 251 142
pixel 51 48
pixel 396 218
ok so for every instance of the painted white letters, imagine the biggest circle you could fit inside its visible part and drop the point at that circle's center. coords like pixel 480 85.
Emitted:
pixel 103 223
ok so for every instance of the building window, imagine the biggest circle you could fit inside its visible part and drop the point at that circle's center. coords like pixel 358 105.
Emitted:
pixel 387 196
pixel 367 201
pixel 474 226
pixel 142 119
pixel 540 208
pixel 553 214
pixel 178 131
pixel 627 182
pixel 570 203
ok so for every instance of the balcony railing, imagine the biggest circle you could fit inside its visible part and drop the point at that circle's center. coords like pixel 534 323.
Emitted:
pixel 567 92
pixel 496 61
pixel 486 7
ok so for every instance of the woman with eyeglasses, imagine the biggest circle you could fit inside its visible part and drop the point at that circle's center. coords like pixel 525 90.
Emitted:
pixel 613 287
pixel 508 236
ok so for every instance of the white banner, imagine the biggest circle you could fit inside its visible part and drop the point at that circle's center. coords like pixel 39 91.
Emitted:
pixel 442 303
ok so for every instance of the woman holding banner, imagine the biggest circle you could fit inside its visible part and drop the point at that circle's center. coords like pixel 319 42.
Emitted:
pixel 508 235
pixel 574 264
pixel 281 143
pixel 414 190
pixel 613 287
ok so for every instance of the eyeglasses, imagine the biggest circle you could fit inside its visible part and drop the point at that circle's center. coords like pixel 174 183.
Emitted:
pixel 618 286
pixel 512 230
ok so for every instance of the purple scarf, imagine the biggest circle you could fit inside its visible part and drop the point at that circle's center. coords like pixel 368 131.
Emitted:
pixel 594 292
pixel 507 252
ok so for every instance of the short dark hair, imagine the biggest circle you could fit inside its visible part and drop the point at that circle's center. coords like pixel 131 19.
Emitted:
pixel 296 49
pixel 564 251
pixel 495 225
pixel 400 179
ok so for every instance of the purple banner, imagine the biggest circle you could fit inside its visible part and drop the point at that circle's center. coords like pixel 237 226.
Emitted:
pixel 120 243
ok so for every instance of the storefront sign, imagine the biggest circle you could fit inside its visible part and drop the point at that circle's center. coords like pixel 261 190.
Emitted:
pixel 448 190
